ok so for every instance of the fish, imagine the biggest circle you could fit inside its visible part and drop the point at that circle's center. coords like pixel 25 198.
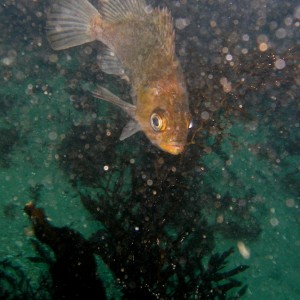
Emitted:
pixel 139 47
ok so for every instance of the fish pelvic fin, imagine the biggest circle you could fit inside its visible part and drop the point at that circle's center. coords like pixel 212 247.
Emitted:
pixel 106 95
pixel 130 129
pixel 71 23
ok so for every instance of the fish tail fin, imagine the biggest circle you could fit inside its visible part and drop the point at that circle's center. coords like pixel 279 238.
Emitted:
pixel 71 23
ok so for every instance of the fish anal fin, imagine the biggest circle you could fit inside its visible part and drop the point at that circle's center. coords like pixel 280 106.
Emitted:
pixel 130 129
pixel 71 23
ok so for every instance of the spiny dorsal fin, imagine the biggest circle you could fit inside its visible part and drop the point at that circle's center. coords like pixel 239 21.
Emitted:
pixel 164 24
pixel 115 10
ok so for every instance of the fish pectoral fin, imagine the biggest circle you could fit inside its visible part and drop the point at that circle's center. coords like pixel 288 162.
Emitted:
pixel 106 95
pixel 110 64
pixel 130 129
pixel 70 23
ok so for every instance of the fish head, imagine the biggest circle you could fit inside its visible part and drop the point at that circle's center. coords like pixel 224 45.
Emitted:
pixel 164 117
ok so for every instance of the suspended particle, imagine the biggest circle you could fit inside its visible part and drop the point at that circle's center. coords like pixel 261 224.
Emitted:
pixel 280 33
pixel 205 115
pixel 229 57
pixel 244 251
pixel 274 222
pixel 149 182
pixel 52 135
pixel 280 64
pixel 263 47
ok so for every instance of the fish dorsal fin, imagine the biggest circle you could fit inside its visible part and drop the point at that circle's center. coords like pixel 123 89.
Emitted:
pixel 110 64
pixel 115 10
pixel 106 95
pixel 130 129
pixel 164 24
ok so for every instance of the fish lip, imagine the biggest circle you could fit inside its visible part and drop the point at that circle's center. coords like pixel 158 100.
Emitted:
pixel 174 148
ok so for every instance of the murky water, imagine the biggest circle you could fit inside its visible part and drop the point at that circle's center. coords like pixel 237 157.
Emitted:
pixel 83 212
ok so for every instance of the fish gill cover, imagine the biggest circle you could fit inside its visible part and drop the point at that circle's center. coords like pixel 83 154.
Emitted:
pixel 157 221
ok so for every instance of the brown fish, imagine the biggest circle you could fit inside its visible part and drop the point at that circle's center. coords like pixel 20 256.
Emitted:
pixel 140 49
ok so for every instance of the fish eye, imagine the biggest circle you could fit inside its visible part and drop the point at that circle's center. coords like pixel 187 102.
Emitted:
pixel 158 122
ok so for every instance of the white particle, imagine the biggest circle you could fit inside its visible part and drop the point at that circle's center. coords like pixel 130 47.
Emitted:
pixel 229 57
pixel 290 202
pixel 280 33
pixel 52 135
pixel 150 182
pixel 274 221
pixel 181 23
pixel 148 9
pixel 244 251
pixel 106 168
pixel 205 115
pixel 245 37
pixel 244 50
pixel 297 12
pixel 280 64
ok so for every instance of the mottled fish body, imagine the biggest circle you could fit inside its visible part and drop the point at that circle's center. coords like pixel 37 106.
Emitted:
pixel 140 49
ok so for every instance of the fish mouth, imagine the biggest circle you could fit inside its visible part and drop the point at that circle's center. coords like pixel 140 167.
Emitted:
pixel 173 148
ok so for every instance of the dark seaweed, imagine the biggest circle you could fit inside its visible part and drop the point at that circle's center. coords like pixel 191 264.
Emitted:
pixel 155 240
pixel 15 285
pixel 73 272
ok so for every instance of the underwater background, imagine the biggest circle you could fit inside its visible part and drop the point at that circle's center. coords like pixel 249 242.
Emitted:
pixel 83 212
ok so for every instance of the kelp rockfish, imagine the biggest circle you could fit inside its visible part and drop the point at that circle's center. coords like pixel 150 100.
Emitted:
pixel 139 44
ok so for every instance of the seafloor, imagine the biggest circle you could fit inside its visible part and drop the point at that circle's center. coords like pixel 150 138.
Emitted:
pixel 150 220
